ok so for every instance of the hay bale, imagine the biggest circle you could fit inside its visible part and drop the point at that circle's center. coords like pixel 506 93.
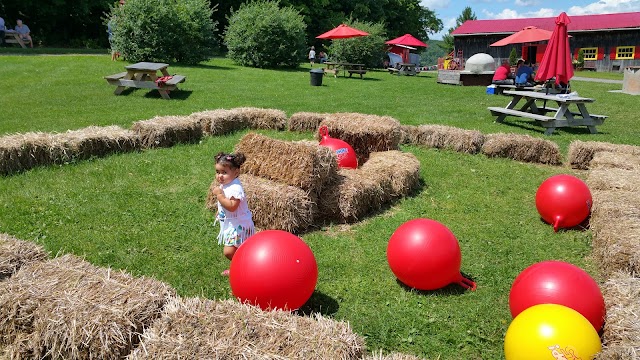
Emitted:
pixel 258 118
pixel 613 206
pixel 94 141
pixel 365 133
pixel 274 205
pixel 359 192
pixel 522 148
pixel 616 245
pixel 219 122
pixel 450 138
pixel 613 179
pixel 306 121
pixel 15 253
pixel 621 332
pixel 205 329
pixel 408 134
pixel 614 160
pixel 390 356
pixel 581 152
pixel 20 152
pixel 166 131
pixel 296 164
pixel 66 308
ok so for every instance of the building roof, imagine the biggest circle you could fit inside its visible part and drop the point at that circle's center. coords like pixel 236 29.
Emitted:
pixel 578 23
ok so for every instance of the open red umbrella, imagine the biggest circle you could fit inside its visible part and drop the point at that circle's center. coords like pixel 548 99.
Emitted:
pixel 407 40
pixel 526 35
pixel 556 61
pixel 342 31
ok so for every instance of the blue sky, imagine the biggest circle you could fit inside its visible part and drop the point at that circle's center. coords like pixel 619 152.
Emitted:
pixel 449 10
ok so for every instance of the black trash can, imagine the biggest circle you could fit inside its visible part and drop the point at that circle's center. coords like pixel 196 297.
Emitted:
pixel 316 77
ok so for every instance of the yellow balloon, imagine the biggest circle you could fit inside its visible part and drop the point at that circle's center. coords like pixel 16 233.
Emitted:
pixel 551 331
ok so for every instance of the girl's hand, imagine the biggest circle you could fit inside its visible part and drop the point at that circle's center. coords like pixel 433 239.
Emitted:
pixel 217 191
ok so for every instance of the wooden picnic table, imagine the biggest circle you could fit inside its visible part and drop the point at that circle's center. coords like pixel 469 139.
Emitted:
pixel 404 69
pixel 562 115
pixel 336 67
pixel 145 75
pixel 13 37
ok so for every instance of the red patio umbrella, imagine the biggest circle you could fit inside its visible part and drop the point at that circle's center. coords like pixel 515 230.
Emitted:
pixel 407 40
pixel 342 31
pixel 526 35
pixel 556 61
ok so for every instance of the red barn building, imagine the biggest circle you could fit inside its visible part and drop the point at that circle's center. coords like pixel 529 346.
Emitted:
pixel 610 42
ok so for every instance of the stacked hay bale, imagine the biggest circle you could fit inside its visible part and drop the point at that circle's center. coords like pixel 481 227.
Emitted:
pixel 66 308
pixel 258 118
pixel 306 121
pixel 522 148
pixel 408 134
pixel 15 253
pixel 447 137
pixel 166 131
pixel 614 179
pixel 219 122
pixel 621 332
pixel 365 133
pixel 95 141
pixel 386 176
pixel 582 152
pixel 282 180
pixel 204 329
pixel 20 152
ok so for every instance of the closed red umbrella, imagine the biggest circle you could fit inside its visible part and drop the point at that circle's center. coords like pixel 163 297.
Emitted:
pixel 526 35
pixel 342 31
pixel 556 61
pixel 407 40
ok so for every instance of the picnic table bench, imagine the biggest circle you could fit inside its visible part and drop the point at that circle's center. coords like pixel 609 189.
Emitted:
pixel 335 68
pixel 562 117
pixel 144 75
pixel 13 37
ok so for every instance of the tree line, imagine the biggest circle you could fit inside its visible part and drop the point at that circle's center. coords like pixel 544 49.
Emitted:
pixel 82 23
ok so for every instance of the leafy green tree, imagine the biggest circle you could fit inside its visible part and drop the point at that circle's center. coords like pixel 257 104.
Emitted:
pixel 513 57
pixel 368 50
pixel 467 14
pixel 580 58
pixel 264 35
pixel 164 30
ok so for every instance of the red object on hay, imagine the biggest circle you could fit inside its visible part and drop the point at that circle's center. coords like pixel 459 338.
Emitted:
pixel 424 254
pixel 274 269
pixel 563 201
pixel 346 155
pixel 561 283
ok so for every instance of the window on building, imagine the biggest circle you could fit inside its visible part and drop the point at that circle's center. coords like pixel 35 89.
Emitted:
pixel 625 52
pixel 590 53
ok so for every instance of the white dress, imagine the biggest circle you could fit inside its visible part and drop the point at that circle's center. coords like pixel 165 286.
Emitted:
pixel 235 226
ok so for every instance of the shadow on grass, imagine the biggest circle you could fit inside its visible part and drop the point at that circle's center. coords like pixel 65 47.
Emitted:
pixel 319 303
pixel 536 127
pixel 175 95
pixel 449 290
pixel 206 66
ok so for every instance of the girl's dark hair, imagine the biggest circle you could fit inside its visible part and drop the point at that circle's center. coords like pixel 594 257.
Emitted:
pixel 233 160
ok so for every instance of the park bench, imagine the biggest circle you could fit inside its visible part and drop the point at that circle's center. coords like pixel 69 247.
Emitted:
pixel 359 72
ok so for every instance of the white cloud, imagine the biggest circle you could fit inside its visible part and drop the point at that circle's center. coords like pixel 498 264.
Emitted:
pixel 513 14
pixel 435 4
pixel 527 3
pixel 605 7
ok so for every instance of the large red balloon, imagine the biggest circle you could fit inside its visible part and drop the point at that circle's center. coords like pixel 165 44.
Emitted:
pixel 563 201
pixel 561 283
pixel 273 269
pixel 424 254
pixel 344 152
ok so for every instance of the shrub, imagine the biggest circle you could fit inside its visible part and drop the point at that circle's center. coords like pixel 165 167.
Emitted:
pixel 513 57
pixel 368 50
pixel 263 35
pixel 164 30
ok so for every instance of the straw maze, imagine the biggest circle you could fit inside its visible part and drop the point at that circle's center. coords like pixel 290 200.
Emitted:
pixel 68 308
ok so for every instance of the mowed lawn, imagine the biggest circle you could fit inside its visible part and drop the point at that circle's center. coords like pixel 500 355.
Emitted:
pixel 144 212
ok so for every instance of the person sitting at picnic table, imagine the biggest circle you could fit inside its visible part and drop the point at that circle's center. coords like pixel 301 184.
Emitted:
pixel 323 57
pixel 2 32
pixel 503 75
pixel 24 31
pixel 524 74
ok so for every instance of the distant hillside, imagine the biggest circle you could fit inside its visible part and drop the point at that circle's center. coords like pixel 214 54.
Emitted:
pixel 433 52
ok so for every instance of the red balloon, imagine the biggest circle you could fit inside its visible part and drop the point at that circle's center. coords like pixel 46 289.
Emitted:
pixel 563 201
pixel 346 156
pixel 273 269
pixel 560 283
pixel 424 254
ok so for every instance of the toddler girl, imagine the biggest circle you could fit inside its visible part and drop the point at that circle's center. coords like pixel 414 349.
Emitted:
pixel 236 224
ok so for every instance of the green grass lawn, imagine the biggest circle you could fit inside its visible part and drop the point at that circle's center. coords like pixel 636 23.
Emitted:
pixel 144 212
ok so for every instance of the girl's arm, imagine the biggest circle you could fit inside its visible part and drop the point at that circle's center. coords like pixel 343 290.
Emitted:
pixel 230 204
